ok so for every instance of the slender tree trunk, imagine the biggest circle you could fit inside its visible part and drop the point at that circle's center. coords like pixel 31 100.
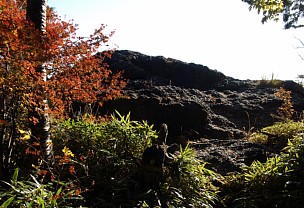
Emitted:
pixel 36 12
pixel 4 171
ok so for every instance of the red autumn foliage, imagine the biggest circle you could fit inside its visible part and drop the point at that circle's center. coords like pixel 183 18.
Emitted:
pixel 74 72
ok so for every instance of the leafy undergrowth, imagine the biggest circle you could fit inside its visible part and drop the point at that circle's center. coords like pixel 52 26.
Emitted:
pixel 112 153
pixel 277 135
pixel 279 182
pixel 98 164
pixel 188 183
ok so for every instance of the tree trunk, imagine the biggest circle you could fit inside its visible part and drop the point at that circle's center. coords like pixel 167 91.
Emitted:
pixel 36 12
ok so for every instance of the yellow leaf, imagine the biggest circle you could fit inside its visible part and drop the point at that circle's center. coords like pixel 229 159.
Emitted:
pixel 67 152
pixel 25 137
pixel 21 131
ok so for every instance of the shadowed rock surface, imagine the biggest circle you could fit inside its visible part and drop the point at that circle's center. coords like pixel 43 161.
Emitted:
pixel 213 111
pixel 164 71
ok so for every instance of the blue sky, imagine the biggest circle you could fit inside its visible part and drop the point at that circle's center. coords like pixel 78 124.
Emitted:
pixel 221 34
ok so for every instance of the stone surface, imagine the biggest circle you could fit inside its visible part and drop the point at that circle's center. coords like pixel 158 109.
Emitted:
pixel 162 104
pixel 212 111
pixel 165 71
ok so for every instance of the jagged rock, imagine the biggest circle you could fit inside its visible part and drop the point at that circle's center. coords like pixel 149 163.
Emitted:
pixel 225 156
pixel 199 104
pixel 244 108
pixel 160 70
pixel 162 104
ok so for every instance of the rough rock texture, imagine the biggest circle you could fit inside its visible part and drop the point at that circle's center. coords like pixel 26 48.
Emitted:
pixel 200 105
pixel 165 71
pixel 178 108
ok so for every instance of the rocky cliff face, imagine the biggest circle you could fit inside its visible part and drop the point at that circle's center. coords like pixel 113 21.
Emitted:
pixel 213 111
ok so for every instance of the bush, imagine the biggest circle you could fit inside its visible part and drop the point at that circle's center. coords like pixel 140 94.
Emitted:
pixel 257 137
pixel 112 152
pixel 114 143
pixel 93 159
pixel 189 183
pixel 276 183
pixel 277 135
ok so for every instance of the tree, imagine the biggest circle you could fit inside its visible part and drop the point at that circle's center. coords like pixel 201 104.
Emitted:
pixel 292 11
pixel 36 13
pixel 74 73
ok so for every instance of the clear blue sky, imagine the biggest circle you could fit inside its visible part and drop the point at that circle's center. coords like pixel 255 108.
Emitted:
pixel 221 34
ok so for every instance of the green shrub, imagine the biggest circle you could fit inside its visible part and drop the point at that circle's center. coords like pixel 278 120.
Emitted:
pixel 278 134
pixel 276 183
pixel 111 151
pixel 285 129
pixel 257 137
pixel 189 183
pixel 108 146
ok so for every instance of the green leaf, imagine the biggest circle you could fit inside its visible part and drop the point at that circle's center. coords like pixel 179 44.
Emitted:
pixel 8 202
pixel 41 202
pixel 286 169
pixel 59 191
pixel 15 176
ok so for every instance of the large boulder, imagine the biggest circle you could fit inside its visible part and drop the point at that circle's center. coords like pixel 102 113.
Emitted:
pixel 200 105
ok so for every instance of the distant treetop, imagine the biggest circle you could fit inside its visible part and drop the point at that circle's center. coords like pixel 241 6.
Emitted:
pixel 292 11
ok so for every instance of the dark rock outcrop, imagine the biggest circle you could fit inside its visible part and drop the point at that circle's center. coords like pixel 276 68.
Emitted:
pixel 229 155
pixel 165 71
pixel 176 107
pixel 204 106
